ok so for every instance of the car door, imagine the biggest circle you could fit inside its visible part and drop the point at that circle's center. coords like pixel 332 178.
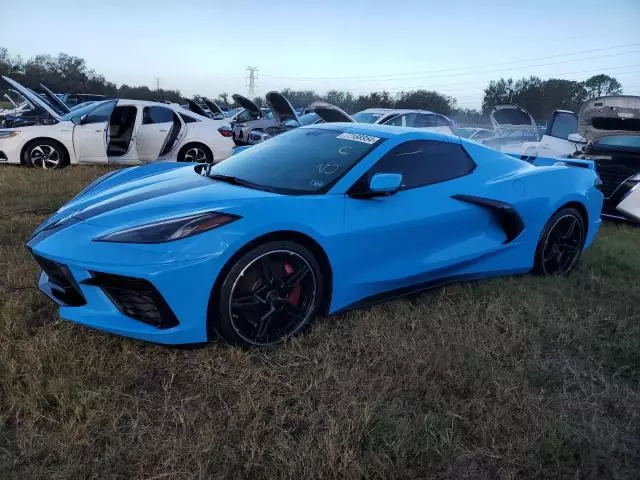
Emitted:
pixel 420 233
pixel 555 141
pixel 153 132
pixel 90 135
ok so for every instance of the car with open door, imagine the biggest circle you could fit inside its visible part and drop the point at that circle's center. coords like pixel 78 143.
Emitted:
pixel 315 221
pixel 397 117
pixel 116 131
pixel 558 139
pixel 251 118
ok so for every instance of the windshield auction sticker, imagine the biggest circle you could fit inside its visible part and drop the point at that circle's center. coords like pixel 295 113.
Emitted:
pixel 356 137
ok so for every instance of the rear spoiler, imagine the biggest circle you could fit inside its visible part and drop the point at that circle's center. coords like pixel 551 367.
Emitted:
pixel 550 161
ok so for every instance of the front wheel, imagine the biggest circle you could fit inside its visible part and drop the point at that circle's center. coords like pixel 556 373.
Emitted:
pixel 196 153
pixel 270 294
pixel 46 154
pixel 561 243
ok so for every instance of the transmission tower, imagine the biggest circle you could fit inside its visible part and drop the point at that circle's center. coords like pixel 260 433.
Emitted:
pixel 252 76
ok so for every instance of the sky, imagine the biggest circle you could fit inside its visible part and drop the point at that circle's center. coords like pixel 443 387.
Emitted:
pixel 454 47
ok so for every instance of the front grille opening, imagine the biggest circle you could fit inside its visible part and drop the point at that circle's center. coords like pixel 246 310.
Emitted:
pixel 64 286
pixel 136 298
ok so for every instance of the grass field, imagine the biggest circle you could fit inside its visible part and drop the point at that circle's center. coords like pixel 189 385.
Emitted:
pixel 509 378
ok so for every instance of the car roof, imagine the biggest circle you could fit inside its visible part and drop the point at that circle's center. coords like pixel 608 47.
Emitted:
pixel 384 131
pixel 398 110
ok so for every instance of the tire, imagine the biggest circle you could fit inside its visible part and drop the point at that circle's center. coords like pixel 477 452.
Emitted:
pixel 561 243
pixel 46 154
pixel 251 311
pixel 195 153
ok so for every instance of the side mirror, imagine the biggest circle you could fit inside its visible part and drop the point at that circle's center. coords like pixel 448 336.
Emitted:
pixel 576 137
pixel 385 183
pixel 76 120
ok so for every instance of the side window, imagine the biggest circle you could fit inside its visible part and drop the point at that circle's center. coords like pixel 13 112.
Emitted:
pixel 395 121
pixel 440 121
pixel 101 113
pixel 425 121
pixel 410 119
pixel 244 116
pixel 425 162
pixel 151 115
pixel 187 118
pixel 563 125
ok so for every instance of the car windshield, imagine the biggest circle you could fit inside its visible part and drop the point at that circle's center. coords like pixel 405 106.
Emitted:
pixel 627 142
pixel 81 111
pixel 306 119
pixel 301 161
pixel 367 117
pixel 465 132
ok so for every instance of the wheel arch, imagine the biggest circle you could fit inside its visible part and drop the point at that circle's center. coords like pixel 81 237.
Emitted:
pixel 580 207
pixel 194 142
pixel 39 139
pixel 281 235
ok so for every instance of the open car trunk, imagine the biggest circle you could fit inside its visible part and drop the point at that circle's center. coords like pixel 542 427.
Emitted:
pixel 213 107
pixel 330 113
pixel 247 104
pixel 509 117
pixel 282 109
pixel 608 116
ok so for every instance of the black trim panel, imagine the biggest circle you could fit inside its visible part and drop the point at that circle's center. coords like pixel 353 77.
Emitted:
pixel 509 219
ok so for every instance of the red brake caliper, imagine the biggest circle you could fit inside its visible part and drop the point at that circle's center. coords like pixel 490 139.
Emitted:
pixel 294 296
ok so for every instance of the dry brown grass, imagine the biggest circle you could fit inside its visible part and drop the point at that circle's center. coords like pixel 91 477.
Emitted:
pixel 509 378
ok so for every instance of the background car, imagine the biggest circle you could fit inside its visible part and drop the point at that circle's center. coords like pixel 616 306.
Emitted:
pixel 423 119
pixel 253 117
pixel 114 131
pixel 254 248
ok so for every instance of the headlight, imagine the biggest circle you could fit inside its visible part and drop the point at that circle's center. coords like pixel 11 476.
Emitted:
pixel 170 229
pixel 5 135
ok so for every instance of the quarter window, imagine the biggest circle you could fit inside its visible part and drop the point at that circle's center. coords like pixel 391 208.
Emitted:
pixel 425 162
pixel 187 118
pixel 152 115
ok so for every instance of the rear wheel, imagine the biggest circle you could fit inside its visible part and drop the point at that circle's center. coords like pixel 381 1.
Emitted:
pixel 270 294
pixel 196 153
pixel 561 243
pixel 46 154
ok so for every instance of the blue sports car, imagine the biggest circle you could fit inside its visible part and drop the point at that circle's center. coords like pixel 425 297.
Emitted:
pixel 315 221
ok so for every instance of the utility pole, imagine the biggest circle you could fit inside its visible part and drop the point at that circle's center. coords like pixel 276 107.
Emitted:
pixel 157 83
pixel 252 76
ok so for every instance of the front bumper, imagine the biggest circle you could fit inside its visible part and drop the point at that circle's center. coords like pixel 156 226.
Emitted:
pixel 158 293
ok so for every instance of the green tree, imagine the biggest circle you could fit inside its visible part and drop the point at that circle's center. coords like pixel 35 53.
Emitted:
pixel 427 100
pixel 601 85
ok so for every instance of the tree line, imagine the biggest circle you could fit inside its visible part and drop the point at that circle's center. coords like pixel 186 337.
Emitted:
pixel 69 74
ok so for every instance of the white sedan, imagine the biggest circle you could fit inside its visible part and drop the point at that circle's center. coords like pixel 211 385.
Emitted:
pixel 114 132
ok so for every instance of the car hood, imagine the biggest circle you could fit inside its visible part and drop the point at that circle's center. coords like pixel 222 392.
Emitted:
pixel 247 104
pixel 139 195
pixel 32 97
pixel 508 117
pixel 281 107
pixel 330 113
pixel 605 116
pixel 57 104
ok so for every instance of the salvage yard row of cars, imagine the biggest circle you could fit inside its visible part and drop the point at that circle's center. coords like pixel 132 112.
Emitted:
pixel 253 248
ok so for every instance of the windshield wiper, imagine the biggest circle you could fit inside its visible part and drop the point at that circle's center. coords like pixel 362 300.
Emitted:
pixel 237 181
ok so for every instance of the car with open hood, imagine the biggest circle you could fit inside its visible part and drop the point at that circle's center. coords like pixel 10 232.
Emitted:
pixel 251 118
pixel 315 221
pixel 286 118
pixel 397 117
pixel 116 131
pixel 610 130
